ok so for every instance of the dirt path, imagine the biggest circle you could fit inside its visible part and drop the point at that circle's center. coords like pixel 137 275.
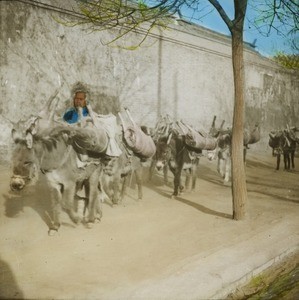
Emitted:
pixel 138 246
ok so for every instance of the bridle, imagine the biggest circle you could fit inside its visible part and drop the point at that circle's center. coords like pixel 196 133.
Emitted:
pixel 16 177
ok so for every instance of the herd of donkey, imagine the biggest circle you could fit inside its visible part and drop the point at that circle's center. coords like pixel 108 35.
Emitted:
pixel 74 158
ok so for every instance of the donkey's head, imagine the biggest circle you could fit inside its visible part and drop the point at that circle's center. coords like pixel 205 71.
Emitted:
pixel 223 144
pixel 24 161
pixel 162 152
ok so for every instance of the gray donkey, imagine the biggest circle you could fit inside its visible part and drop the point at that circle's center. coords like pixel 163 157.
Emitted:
pixel 54 155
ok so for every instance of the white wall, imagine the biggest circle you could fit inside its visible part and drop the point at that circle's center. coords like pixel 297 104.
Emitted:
pixel 186 73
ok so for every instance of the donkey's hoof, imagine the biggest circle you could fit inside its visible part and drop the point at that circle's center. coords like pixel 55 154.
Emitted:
pixel 77 220
pixel 52 232
pixel 74 216
pixel 89 225
pixel 97 220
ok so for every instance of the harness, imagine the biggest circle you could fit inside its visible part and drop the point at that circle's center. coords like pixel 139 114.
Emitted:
pixel 15 177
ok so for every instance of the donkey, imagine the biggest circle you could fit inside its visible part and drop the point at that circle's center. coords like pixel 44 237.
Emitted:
pixel 160 160
pixel 55 156
pixel 223 154
pixel 223 150
pixel 173 152
pixel 283 143
pixel 116 173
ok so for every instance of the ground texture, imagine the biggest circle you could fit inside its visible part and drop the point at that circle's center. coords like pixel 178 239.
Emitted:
pixel 158 248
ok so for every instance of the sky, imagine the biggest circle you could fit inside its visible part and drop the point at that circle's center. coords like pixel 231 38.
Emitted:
pixel 267 46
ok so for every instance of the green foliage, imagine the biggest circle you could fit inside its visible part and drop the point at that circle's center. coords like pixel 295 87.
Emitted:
pixel 142 5
pixel 125 17
pixel 290 61
pixel 143 16
pixel 280 16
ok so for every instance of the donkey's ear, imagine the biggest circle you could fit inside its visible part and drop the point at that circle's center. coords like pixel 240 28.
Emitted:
pixel 29 140
pixel 15 135
pixel 33 126
pixel 65 137
pixel 169 139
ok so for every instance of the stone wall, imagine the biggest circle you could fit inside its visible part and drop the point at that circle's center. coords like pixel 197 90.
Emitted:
pixel 184 71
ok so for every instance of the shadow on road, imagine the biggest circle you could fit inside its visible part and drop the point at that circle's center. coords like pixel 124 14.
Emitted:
pixel 197 206
pixel 9 288
pixel 204 209
pixel 35 197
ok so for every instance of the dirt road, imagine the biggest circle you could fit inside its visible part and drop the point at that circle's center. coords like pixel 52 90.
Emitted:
pixel 157 248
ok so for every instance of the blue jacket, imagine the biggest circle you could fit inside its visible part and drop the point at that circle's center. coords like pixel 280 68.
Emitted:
pixel 71 116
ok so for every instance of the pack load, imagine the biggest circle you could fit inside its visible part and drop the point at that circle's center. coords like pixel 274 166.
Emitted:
pixel 90 141
pixel 197 141
pixel 252 137
pixel 108 122
pixel 137 140
pixel 99 138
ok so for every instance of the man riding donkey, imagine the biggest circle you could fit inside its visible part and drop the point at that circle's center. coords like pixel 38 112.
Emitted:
pixel 117 152
pixel 94 137
pixel 96 134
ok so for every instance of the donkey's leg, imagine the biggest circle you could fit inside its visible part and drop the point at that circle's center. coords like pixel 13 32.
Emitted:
pixel 165 174
pixel 228 171
pixel 116 184
pixel 94 205
pixel 244 154
pixel 194 178
pixel 293 159
pixel 68 201
pixel 124 186
pixel 55 198
pixel 81 204
pixel 194 174
pixel 187 180
pixel 151 169
pixel 277 161
pixel 138 175
pixel 286 159
pixel 177 180
pixel 222 166
pixel 219 165
pixel 176 183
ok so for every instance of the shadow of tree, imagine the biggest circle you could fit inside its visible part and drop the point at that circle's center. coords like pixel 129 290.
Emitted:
pixel 203 208
pixel 283 187
pixel 274 190
pixel 195 205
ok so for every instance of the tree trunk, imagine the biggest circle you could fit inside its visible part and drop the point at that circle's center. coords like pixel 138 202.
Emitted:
pixel 239 190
